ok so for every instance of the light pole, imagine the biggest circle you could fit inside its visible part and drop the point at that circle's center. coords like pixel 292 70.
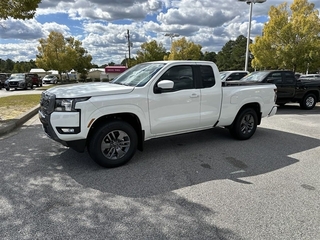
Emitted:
pixel 250 2
pixel 172 35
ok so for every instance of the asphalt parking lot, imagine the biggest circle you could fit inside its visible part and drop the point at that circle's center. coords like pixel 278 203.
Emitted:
pixel 203 185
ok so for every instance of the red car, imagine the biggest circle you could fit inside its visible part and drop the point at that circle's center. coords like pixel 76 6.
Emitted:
pixel 35 79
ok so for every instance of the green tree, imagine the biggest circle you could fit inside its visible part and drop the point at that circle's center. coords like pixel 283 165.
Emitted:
pixel 18 9
pixel 232 55
pixel 182 49
pixel 82 60
pixel 290 39
pixel 62 54
pixel 21 67
pixel 209 56
pixel 150 51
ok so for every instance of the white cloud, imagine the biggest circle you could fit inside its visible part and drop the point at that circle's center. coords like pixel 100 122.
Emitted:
pixel 101 25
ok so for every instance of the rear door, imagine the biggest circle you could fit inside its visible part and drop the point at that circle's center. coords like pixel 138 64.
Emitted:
pixel 211 96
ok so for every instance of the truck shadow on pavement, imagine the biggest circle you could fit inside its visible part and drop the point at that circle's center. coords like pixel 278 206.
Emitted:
pixel 173 163
pixel 294 108
pixel 49 190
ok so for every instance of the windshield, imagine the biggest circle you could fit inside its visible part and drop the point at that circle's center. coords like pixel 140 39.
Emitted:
pixel 17 76
pixel 223 75
pixel 138 75
pixel 254 77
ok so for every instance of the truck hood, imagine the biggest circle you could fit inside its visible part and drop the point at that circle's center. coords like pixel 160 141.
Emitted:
pixel 89 90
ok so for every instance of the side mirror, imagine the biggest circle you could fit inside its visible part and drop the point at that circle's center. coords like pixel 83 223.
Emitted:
pixel 165 84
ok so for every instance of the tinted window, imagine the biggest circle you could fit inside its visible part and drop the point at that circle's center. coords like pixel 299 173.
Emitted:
pixel 289 77
pixel 275 77
pixel 207 76
pixel 182 76
pixel 236 76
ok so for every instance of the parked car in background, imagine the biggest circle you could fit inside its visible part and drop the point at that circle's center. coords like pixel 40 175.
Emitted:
pixel 3 78
pixel 233 75
pixel 50 79
pixel 18 80
pixel 289 89
pixel 36 80
pixel 310 77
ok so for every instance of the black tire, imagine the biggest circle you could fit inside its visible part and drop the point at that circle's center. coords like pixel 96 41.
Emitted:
pixel 113 144
pixel 31 87
pixel 308 102
pixel 7 89
pixel 245 124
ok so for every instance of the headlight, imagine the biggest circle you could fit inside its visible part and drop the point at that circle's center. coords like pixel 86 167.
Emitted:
pixel 67 105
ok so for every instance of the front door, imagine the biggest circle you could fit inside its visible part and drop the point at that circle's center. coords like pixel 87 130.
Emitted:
pixel 179 108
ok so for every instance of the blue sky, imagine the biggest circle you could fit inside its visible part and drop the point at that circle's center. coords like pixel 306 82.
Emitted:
pixel 101 25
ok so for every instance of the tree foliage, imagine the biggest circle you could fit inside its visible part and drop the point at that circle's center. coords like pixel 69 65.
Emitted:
pixel 61 54
pixel 150 51
pixel 290 39
pixel 182 49
pixel 9 66
pixel 18 9
pixel 209 56
pixel 232 55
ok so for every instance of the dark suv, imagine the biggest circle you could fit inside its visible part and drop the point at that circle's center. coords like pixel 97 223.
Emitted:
pixel 3 78
pixel 18 80
pixel 35 79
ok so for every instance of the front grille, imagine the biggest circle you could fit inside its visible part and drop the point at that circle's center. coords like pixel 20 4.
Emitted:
pixel 47 101
pixel 13 84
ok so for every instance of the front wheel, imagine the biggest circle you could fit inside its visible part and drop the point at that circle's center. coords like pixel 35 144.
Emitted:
pixel 245 124
pixel 308 102
pixel 113 144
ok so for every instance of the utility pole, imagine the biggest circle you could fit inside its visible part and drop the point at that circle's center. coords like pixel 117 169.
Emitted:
pixel 129 45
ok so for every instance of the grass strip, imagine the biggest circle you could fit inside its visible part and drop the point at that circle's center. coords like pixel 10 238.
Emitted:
pixel 12 107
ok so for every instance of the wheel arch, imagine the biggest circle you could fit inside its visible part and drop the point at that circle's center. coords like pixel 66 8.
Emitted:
pixel 314 92
pixel 130 118
pixel 255 106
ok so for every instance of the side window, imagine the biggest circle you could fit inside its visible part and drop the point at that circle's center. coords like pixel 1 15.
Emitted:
pixel 275 77
pixel 241 75
pixel 182 76
pixel 207 76
pixel 289 77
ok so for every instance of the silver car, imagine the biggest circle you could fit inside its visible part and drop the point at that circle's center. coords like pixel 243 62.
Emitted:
pixel 50 79
pixel 18 80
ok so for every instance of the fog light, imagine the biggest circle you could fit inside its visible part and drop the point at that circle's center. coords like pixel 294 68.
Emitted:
pixel 67 130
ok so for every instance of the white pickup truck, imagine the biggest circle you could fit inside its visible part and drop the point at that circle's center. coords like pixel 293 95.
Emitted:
pixel 151 100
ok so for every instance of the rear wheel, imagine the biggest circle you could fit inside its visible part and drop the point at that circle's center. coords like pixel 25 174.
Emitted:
pixel 113 144
pixel 308 102
pixel 245 124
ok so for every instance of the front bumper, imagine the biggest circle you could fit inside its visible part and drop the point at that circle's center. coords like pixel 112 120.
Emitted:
pixel 15 84
pixel 55 124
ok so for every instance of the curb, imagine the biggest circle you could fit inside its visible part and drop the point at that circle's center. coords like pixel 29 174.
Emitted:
pixel 13 124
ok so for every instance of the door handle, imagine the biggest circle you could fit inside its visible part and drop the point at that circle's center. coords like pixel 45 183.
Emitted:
pixel 194 95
